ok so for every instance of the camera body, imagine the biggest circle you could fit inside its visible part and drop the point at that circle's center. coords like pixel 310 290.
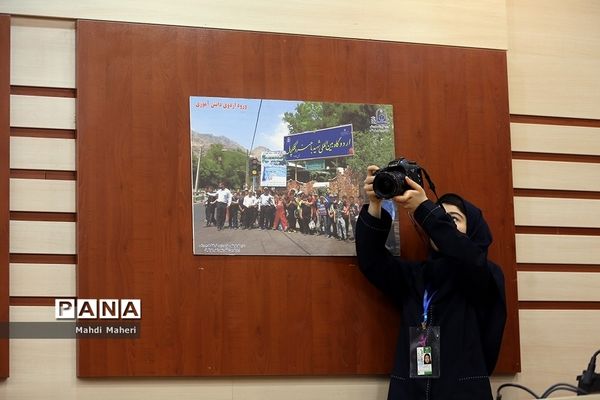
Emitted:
pixel 390 180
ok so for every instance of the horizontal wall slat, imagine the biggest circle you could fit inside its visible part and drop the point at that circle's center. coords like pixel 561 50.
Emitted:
pixel 31 314
pixel 559 139
pixel 553 58
pixel 43 91
pixel 537 85
pixel 554 175
pixel 42 237
pixel 358 388
pixel 557 249
pixel 556 345
pixel 49 216
pixel 43 133
pixel 37 366
pixel 460 22
pixel 556 212
pixel 42 195
pixel 42 52
pixel 43 259
pixel 549 120
pixel 42 280
pixel 42 153
pixel 32 301
pixel 43 174
pixel 42 112
pixel 558 286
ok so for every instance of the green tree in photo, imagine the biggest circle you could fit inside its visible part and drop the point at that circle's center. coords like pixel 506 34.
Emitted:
pixel 310 116
pixel 371 149
pixel 370 146
pixel 218 164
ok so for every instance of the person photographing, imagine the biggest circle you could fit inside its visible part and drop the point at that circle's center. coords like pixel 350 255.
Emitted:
pixel 452 303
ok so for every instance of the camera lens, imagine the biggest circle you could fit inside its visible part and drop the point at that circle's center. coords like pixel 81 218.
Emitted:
pixel 388 184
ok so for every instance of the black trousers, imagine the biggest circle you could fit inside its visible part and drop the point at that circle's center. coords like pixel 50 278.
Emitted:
pixel 221 212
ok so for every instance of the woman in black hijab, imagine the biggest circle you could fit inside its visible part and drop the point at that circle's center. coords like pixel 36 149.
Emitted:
pixel 452 304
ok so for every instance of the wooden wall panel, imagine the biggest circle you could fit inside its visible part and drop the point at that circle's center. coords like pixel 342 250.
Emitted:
pixel 301 389
pixel 556 175
pixel 557 212
pixel 42 112
pixel 32 314
pixel 553 58
pixel 558 286
pixel 557 139
pixel 557 346
pixel 42 237
pixel 244 315
pixel 42 195
pixel 42 153
pixel 558 249
pixel 43 280
pixel 36 367
pixel 32 64
pixel 480 24
pixel 4 177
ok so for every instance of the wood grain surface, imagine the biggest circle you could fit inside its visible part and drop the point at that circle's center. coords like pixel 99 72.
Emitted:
pixel 4 182
pixel 250 315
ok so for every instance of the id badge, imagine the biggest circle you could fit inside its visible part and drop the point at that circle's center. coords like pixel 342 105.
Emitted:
pixel 424 352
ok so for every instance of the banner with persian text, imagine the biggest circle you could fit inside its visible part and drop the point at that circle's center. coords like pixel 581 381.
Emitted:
pixel 321 143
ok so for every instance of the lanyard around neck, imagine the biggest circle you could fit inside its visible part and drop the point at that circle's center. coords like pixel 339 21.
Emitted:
pixel 426 303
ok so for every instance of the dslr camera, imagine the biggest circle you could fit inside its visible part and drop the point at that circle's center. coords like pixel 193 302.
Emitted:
pixel 390 180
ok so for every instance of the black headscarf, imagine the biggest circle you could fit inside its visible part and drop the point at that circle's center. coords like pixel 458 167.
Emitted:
pixel 477 229
pixel 491 315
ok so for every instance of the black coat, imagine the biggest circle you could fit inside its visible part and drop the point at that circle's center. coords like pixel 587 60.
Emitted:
pixel 469 305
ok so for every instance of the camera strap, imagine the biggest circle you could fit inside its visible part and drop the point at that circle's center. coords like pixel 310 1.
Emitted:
pixel 430 182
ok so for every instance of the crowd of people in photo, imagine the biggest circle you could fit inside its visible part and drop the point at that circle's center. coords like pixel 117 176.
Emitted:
pixel 282 210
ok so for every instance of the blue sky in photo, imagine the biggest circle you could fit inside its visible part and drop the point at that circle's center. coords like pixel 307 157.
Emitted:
pixel 235 119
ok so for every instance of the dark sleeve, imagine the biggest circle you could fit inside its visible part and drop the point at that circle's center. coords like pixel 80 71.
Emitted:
pixel 480 279
pixel 388 273
pixel 472 271
pixel 492 319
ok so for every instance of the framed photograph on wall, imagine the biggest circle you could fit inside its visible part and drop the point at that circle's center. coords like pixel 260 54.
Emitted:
pixel 283 177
